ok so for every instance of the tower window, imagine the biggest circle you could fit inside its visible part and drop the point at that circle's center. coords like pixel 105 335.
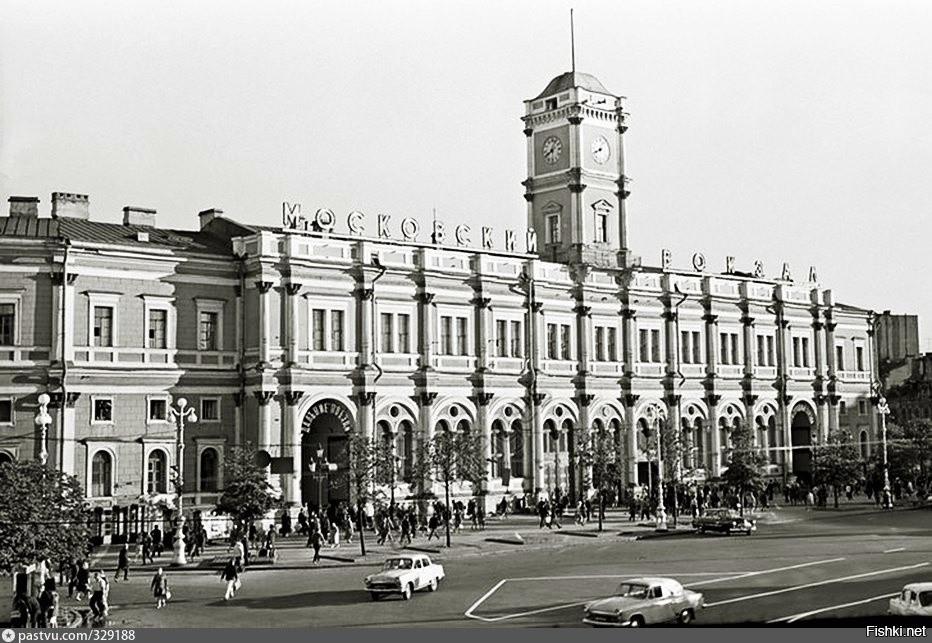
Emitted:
pixel 551 103
pixel 601 228
pixel 553 228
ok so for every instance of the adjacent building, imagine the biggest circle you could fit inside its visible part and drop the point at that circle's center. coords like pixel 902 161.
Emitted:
pixel 296 335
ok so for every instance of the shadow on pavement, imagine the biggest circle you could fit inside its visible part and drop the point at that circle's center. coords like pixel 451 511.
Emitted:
pixel 296 601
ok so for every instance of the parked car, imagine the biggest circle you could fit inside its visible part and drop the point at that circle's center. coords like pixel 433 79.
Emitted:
pixel 727 521
pixel 405 575
pixel 914 600
pixel 644 601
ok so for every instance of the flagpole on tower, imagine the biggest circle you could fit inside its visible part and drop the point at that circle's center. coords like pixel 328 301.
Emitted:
pixel 572 44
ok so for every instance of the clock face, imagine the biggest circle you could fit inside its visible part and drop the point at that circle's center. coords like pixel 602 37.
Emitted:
pixel 601 151
pixel 552 150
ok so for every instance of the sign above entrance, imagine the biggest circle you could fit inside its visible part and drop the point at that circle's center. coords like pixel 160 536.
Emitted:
pixel 328 407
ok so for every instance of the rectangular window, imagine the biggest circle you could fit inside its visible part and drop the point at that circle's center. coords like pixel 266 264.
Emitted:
pixel 404 333
pixel 599 344
pixel 859 357
pixel 103 326
pixel 797 362
pixel 157 410
pixel 553 228
pixel 839 358
pixel 386 343
pixel 207 340
pixel 501 339
pixel 804 348
pixel 210 410
pixel 761 351
pixel 686 354
pixel 842 408
pixel 6 411
pixel 612 345
pixel 862 407
pixel 644 342
pixel 446 335
pixel 516 339
pixel 697 347
pixel 103 410
pixel 723 339
pixel 735 349
pixel 552 349
pixel 601 228
pixel 655 346
pixel 770 351
pixel 565 346
pixel 158 325
pixel 336 330
pixel 317 329
pixel 462 345
pixel 7 324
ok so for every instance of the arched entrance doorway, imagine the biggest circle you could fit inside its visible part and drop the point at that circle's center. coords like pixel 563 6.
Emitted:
pixel 325 433
pixel 801 437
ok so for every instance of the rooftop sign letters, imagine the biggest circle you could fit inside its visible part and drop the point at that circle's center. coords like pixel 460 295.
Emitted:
pixel 699 265
pixel 324 220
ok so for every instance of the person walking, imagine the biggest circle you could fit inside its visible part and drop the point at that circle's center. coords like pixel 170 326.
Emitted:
pixel 317 541
pixel 100 589
pixel 147 549
pixel 122 564
pixel 230 574
pixel 82 582
pixel 432 523
pixel 239 554
pixel 48 604
pixel 160 591
pixel 335 536
pixel 405 530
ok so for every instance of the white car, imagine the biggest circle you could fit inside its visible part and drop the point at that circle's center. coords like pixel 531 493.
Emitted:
pixel 405 575
pixel 645 601
pixel 914 600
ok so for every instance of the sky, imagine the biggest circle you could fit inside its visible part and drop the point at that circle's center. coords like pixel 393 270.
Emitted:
pixel 791 131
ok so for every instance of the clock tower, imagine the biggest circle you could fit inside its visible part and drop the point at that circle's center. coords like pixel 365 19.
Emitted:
pixel 576 185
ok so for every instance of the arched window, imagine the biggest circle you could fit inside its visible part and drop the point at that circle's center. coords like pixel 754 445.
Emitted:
pixel 209 470
pixel 688 438
pixel 5 458
pixel 101 475
pixel 517 449
pixel 156 470
pixel 772 440
pixel 699 435
pixel 498 448
pixel 407 451
pixel 384 437
pixel 550 445
pixel 565 431
pixel 462 427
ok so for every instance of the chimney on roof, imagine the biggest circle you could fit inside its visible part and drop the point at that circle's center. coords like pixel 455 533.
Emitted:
pixel 73 206
pixel 206 216
pixel 139 216
pixel 24 206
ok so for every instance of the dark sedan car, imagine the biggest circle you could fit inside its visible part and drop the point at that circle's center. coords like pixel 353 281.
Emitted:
pixel 726 521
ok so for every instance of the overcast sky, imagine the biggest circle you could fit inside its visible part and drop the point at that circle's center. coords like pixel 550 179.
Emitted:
pixel 780 131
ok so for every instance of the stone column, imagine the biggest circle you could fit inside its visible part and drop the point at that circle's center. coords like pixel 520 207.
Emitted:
pixel 821 351
pixel 832 367
pixel 366 414
pixel 631 430
pixel 506 451
pixel 67 433
pixel 293 321
pixel 265 321
pixel 715 435
pixel 483 328
pixel 365 334
pixel 238 399
pixel 482 419
pixel 264 440
pixel 426 322
pixel 291 439
pixel 537 439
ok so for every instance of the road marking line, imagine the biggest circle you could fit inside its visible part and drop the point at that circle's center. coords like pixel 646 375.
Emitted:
pixel 496 619
pixel 892 551
pixel 469 612
pixel 625 575
pixel 737 575
pixel 815 584
pixel 795 617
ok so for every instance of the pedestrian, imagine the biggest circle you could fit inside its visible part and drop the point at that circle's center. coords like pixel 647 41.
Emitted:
pixel 335 536
pixel 317 541
pixel 286 524
pixel 230 574
pixel 48 605
pixel 82 581
pixel 146 549
pixel 432 523
pixel 100 589
pixel 480 517
pixel 302 521
pixel 239 554
pixel 555 516
pixel 405 530
pixel 22 608
pixel 160 590
pixel 122 563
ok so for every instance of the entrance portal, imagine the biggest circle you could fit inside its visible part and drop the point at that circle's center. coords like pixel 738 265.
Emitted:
pixel 325 436
pixel 801 436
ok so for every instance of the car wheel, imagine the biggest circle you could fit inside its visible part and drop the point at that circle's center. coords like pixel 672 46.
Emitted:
pixel 637 621
pixel 686 617
pixel 375 595
pixel 407 591
pixel 432 587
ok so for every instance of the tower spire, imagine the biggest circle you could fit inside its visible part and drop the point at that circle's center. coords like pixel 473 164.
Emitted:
pixel 572 44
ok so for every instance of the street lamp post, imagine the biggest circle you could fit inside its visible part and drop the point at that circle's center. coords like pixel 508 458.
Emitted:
pixel 661 509
pixel 884 409
pixel 182 414
pixel 43 419
pixel 321 470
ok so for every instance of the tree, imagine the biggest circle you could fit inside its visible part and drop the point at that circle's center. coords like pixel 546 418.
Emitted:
pixel 607 460
pixel 745 463
pixel 449 456
pixel 836 462
pixel 367 458
pixel 247 494
pixel 43 514
pixel 909 450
